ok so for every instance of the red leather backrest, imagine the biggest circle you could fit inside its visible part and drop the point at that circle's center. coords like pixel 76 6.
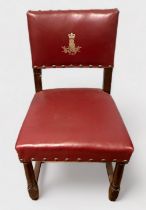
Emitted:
pixel 73 37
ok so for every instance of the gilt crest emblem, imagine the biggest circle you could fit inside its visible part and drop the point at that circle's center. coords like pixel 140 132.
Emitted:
pixel 71 49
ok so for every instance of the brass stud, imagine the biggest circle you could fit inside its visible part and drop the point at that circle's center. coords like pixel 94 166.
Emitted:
pixel 125 161
pixel 55 158
pixel 103 160
pixel 44 159
pixel 90 66
pixel 100 66
pixel 66 159
pixel 35 67
pixel 80 65
pixel 114 160
pixel 62 66
pixel 79 159
pixel 21 160
pixel 43 67
pixel 90 159
pixel 71 65
pixel 54 66
pixel 32 159
pixel 109 66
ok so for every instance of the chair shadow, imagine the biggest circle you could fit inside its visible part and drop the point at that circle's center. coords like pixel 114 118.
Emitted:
pixel 80 174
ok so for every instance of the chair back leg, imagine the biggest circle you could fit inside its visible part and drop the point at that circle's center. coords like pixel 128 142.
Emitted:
pixel 31 181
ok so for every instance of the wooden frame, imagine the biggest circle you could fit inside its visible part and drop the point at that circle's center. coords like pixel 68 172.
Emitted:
pixel 37 72
pixel 32 176
pixel 107 79
pixel 115 176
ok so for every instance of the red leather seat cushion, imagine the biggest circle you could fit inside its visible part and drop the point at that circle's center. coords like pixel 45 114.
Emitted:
pixel 73 124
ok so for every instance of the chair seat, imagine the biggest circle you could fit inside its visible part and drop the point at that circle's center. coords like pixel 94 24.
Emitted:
pixel 76 124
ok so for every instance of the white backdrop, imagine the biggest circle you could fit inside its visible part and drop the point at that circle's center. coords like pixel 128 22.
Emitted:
pixel 72 186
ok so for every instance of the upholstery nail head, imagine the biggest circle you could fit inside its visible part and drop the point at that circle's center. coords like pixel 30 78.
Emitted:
pixel 62 66
pixel 80 65
pixel 114 160
pixel 55 158
pixel 21 160
pixel 71 65
pixel 35 67
pixel 90 66
pixel 90 159
pixel 53 66
pixel 43 67
pixel 100 66
pixel 125 161
pixel 66 159
pixel 44 159
pixel 79 159
pixel 103 160
pixel 32 159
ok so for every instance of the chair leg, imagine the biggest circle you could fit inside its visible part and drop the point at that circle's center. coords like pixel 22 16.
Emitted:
pixel 110 172
pixel 114 188
pixel 37 169
pixel 31 181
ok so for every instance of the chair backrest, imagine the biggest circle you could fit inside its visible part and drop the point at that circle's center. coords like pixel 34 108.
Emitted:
pixel 73 37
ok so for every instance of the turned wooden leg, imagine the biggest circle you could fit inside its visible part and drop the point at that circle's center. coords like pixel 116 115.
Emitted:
pixel 37 169
pixel 110 172
pixel 31 181
pixel 114 188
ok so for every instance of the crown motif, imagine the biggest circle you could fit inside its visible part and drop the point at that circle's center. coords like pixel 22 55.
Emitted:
pixel 71 49
pixel 71 36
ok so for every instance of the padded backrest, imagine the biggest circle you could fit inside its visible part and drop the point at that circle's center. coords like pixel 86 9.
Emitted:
pixel 77 38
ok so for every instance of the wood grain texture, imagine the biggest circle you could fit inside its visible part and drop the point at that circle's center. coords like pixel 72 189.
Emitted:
pixel 37 169
pixel 114 188
pixel 31 181
pixel 109 169
pixel 37 79
pixel 107 79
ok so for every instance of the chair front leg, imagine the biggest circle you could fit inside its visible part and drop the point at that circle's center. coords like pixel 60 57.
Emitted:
pixel 114 188
pixel 31 181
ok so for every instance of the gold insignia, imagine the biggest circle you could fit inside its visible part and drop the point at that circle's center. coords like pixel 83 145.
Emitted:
pixel 71 49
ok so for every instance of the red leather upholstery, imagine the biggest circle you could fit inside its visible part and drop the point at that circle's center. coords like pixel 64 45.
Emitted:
pixel 73 38
pixel 73 125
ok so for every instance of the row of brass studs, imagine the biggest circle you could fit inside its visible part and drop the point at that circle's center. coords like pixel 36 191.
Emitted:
pixel 71 65
pixel 78 159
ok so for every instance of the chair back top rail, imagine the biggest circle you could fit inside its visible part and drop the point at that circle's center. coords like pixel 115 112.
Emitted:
pixel 73 38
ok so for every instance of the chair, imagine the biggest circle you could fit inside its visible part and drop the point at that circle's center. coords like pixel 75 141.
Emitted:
pixel 73 124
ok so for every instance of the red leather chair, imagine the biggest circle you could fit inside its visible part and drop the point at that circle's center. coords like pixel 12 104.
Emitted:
pixel 73 124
